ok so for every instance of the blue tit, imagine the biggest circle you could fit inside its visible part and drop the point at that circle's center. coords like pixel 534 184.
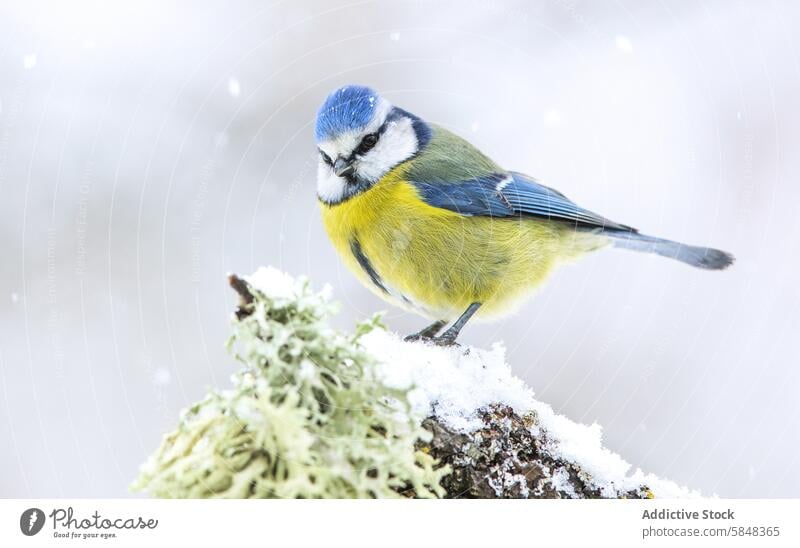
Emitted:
pixel 433 225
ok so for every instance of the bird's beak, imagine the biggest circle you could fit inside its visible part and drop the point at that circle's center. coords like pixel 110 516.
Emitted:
pixel 342 167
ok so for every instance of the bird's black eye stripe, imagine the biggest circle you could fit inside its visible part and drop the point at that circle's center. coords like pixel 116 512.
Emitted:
pixel 326 158
pixel 367 143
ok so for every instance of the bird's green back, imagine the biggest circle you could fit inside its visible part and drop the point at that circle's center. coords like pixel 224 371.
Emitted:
pixel 448 157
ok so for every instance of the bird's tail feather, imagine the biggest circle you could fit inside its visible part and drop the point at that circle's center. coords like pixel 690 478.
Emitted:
pixel 700 257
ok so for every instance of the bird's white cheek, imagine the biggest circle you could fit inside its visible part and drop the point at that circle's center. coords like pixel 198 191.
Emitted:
pixel 330 188
pixel 397 144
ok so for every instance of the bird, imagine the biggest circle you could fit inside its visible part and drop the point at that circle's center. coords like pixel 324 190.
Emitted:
pixel 433 225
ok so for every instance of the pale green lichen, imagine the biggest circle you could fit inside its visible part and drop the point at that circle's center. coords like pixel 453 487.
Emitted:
pixel 307 416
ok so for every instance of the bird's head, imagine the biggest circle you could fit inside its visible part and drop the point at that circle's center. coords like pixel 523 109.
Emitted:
pixel 360 137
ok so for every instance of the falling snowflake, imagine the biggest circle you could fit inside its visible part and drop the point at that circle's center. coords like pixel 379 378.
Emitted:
pixel 221 139
pixel 29 61
pixel 234 88
pixel 162 377
pixel 552 118
pixel 623 44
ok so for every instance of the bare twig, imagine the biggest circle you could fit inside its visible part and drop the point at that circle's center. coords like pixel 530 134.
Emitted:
pixel 245 297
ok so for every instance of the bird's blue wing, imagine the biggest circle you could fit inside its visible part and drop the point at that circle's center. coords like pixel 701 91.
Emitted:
pixel 472 197
pixel 510 194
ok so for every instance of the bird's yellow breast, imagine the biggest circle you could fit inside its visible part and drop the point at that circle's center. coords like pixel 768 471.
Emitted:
pixel 437 262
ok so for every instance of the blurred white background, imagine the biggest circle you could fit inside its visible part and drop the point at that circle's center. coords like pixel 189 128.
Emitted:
pixel 148 148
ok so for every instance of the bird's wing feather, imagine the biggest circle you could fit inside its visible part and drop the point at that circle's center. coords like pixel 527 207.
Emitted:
pixel 509 194
pixel 452 174
pixel 531 198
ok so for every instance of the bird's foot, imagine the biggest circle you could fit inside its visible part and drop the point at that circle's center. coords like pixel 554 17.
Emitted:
pixel 427 334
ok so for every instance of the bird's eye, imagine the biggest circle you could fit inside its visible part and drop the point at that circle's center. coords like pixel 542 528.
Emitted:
pixel 326 158
pixel 367 143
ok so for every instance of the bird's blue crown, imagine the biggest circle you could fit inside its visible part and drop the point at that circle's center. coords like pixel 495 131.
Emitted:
pixel 346 109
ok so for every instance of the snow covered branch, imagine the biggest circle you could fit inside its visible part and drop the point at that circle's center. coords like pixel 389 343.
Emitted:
pixel 317 413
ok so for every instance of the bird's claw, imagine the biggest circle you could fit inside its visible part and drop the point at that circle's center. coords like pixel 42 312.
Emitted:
pixel 444 341
pixel 437 341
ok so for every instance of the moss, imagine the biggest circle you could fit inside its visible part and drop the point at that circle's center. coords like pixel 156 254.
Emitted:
pixel 307 416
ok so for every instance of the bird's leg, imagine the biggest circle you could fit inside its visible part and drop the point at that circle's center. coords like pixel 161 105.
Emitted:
pixel 448 338
pixel 428 332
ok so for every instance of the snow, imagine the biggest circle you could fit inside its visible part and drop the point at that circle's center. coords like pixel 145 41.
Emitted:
pixel 623 44
pixel 560 481
pixel 234 88
pixel 29 61
pixel 273 283
pixel 162 377
pixel 552 118
pixel 307 370
pixel 454 383
pixel 221 139
pixel 280 286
